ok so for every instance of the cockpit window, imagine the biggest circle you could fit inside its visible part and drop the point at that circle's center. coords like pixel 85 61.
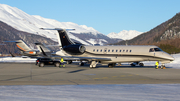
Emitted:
pixel 154 49
pixel 151 50
pixel 157 49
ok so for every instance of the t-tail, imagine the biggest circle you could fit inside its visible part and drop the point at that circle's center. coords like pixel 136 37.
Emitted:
pixel 22 45
pixel 66 43
pixel 24 48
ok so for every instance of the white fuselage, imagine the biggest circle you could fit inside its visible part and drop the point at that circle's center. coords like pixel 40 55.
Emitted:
pixel 119 54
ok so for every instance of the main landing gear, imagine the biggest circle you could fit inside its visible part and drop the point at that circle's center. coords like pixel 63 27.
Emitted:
pixel 93 64
pixel 111 65
pixel 81 64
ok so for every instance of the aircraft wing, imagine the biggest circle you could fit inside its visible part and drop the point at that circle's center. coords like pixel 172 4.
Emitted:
pixel 82 58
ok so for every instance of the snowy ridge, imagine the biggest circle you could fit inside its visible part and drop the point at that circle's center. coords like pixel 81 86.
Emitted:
pixel 31 23
pixel 125 35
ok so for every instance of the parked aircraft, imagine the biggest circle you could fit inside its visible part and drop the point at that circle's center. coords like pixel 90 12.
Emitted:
pixel 27 51
pixel 110 54
pixel 41 52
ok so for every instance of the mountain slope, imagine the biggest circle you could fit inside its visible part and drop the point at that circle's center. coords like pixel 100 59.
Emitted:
pixel 167 33
pixel 7 33
pixel 31 24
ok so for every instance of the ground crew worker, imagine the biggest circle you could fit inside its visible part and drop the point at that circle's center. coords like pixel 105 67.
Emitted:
pixel 62 64
pixel 157 65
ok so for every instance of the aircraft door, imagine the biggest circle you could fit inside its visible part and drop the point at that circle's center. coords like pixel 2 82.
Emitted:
pixel 105 50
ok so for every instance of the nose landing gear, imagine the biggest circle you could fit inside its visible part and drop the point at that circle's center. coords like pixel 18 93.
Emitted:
pixel 163 66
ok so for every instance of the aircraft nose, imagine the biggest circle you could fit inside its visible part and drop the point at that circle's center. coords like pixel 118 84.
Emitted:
pixel 171 58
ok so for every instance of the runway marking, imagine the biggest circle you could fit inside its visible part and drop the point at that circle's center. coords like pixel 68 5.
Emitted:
pixel 96 78
pixel 122 75
pixel 89 74
pixel 105 77
pixel 114 76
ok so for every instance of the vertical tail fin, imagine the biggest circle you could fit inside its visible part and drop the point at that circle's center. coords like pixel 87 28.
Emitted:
pixel 62 36
pixel 22 45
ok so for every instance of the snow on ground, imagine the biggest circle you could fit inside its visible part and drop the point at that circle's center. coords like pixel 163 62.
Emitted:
pixel 18 59
pixel 119 92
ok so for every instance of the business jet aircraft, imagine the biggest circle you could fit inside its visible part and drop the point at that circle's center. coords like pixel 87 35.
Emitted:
pixel 110 54
pixel 27 51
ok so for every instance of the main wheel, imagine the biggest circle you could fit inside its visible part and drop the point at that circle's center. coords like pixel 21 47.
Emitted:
pixel 81 64
pixel 41 64
pixel 57 64
pixel 141 64
pixel 110 65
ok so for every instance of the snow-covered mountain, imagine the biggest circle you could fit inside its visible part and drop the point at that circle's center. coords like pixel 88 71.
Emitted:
pixel 125 35
pixel 31 23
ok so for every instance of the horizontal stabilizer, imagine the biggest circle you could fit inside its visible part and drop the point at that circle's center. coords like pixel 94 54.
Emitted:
pixel 60 29
pixel 11 41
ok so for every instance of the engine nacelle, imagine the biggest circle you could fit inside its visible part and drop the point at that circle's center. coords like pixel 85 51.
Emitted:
pixel 30 52
pixel 74 49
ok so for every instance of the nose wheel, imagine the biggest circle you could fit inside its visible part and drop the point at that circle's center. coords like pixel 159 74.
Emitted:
pixel 163 66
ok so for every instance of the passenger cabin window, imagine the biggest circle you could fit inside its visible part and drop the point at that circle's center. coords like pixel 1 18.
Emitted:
pixel 112 50
pixel 126 50
pixel 97 50
pixel 94 50
pixel 129 50
pixel 101 50
pixel 108 50
pixel 119 50
pixel 116 50
pixel 123 50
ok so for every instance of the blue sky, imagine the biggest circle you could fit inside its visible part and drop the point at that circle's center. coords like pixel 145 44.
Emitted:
pixel 106 16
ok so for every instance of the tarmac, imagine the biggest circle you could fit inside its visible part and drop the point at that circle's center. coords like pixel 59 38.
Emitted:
pixel 73 74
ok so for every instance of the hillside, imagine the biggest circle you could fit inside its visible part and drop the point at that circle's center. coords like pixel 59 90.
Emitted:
pixel 7 33
pixel 165 34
